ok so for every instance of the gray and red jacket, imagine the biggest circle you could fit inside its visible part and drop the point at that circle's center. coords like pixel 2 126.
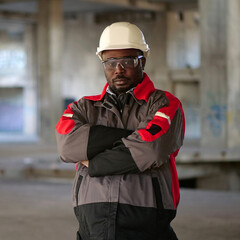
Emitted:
pixel 130 189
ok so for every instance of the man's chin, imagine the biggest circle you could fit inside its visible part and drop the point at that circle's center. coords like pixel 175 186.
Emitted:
pixel 119 90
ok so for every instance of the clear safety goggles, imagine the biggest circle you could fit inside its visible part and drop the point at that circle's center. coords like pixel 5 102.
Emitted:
pixel 125 62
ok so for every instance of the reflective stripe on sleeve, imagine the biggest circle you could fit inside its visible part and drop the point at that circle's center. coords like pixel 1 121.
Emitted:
pixel 163 115
pixel 68 115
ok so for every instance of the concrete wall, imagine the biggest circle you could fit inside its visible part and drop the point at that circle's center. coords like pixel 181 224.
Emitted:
pixel 82 70
pixel 183 61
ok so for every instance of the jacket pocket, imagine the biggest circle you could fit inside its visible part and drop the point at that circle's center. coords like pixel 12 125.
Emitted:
pixel 157 192
pixel 78 184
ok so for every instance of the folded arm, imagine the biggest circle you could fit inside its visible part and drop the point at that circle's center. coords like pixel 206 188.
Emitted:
pixel 150 146
pixel 117 151
pixel 78 140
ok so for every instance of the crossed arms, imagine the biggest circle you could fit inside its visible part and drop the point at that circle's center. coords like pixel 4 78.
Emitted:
pixel 106 152
pixel 109 150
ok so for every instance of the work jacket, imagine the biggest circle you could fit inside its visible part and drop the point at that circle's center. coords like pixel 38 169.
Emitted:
pixel 130 189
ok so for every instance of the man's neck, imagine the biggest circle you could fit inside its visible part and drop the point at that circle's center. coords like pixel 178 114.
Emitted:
pixel 110 91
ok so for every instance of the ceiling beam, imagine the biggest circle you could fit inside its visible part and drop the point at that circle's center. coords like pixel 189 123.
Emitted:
pixel 135 4
pixel 190 5
pixel 14 1
pixel 9 15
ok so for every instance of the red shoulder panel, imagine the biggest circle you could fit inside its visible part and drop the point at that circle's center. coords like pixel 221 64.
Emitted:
pixel 66 123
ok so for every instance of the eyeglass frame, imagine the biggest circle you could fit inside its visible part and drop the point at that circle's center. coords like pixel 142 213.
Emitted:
pixel 136 60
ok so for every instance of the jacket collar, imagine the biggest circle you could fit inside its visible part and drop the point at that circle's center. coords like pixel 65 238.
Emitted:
pixel 144 89
pixel 141 92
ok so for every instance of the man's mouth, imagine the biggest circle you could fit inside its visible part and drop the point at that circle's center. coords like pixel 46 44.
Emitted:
pixel 120 80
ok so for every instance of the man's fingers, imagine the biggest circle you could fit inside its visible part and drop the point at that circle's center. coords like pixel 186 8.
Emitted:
pixel 85 163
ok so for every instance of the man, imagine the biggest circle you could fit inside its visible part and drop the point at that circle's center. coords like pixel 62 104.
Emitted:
pixel 124 142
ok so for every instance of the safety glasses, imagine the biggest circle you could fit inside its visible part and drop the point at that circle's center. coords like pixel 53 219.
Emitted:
pixel 125 63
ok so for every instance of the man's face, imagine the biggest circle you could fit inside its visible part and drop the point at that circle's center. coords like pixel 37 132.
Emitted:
pixel 121 76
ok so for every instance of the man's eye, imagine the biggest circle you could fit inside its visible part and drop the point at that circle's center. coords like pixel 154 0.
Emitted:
pixel 111 64
pixel 127 62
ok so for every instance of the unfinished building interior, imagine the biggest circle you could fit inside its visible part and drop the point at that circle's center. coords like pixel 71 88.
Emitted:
pixel 47 59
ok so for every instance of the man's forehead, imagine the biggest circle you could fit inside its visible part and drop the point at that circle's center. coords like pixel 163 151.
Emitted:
pixel 116 53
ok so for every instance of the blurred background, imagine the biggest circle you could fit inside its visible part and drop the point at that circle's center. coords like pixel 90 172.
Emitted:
pixel 47 60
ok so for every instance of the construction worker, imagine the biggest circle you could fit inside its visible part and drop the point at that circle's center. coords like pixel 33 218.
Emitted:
pixel 124 142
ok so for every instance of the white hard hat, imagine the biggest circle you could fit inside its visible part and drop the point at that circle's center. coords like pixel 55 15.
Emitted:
pixel 122 35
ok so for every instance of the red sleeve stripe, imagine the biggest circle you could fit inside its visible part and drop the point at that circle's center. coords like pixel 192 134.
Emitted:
pixel 175 182
pixel 66 123
pixel 147 136
pixel 162 118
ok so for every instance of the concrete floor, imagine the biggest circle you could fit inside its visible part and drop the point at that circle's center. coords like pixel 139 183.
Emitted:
pixel 41 209
pixel 36 210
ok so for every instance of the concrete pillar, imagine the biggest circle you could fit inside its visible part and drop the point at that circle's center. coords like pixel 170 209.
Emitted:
pixel 30 95
pixel 213 73
pixel 50 46
pixel 233 73
pixel 220 73
pixel 158 53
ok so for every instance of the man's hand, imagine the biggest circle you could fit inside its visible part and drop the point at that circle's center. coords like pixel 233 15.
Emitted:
pixel 85 163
